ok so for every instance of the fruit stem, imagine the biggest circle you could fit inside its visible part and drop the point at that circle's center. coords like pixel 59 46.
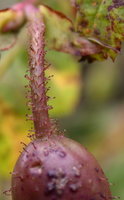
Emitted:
pixel 39 99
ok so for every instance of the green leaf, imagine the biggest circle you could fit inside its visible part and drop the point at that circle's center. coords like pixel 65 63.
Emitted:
pixel 101 21
pixel 61 35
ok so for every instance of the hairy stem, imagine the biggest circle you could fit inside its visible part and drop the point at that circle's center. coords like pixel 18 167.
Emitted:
pixel 39 98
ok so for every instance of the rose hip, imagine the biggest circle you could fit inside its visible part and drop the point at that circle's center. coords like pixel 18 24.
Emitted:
pixel 56 168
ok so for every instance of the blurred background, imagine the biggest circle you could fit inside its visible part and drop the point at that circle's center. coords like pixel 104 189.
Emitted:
pixel 89 106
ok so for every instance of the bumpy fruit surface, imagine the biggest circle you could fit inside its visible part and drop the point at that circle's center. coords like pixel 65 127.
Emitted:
pixel 58 168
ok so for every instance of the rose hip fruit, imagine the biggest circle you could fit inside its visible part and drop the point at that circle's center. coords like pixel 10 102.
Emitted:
pixel 58 168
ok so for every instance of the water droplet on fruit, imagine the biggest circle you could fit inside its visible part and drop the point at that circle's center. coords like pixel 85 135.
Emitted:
pixel 52 173
pixel 50 188
pixel 97 170
pixel 36 189
pixel 36 168
pixel 102 196
pixel 90 181
pixel 76 171
pixel 73 187
pixel 61 173
pixel 46 152
pixel 62 154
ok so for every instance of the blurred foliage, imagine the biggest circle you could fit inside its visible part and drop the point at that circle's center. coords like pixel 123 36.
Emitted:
pixel 7 3
pixel 89 104
pixel 89 16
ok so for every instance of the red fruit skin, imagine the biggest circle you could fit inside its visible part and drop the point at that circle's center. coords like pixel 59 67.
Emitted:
pixel 58 168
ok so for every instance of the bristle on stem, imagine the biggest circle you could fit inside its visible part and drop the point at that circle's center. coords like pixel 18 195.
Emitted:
pixel 42 122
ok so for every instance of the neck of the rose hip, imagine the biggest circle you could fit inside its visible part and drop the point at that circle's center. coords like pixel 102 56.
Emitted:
pixel 39 98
